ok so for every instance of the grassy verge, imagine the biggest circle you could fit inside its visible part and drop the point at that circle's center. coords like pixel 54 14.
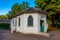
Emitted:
pixel 52 28
pixel 4 26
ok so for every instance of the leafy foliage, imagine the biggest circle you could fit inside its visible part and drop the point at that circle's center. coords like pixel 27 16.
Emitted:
pixel 52 6
pixel 17 8
pixel 7 16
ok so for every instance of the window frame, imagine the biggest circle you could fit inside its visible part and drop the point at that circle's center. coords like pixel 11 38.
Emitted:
pixel 16 21
pixel 13 22
pixel 30 19
pixel 19 22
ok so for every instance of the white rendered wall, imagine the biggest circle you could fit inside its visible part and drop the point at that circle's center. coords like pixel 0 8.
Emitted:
pixel 23 28
pixel 24 23
pixel 45 21
pixel 12 25
pixel 33 29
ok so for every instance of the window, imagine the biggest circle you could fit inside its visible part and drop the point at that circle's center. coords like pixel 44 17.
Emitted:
pixel 19 22
pixel 13 22
pixel 30 21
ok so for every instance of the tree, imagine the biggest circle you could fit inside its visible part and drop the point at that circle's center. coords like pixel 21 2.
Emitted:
pixel 2 17
pixel 17 8
pixel 52 6
pixel 25 5
pixel 7 16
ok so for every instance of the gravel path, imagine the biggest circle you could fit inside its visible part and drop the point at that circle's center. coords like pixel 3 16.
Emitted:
pixel 6 35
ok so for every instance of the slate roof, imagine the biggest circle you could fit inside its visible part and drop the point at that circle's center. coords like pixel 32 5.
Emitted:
pixel 31 10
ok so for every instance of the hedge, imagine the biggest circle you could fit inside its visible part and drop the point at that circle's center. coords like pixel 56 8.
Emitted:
pixel 4 26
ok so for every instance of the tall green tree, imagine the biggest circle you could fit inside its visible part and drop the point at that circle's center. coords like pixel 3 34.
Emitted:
pixel 52 6
pixel 17 8
pixel 25 5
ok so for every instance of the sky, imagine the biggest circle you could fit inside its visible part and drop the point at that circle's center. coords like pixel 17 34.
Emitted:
pixel 5 5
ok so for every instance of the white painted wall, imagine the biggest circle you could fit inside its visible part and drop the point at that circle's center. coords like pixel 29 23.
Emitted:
pixel 33 29
pixel 43 17
pixel 23 28
pixel 24 23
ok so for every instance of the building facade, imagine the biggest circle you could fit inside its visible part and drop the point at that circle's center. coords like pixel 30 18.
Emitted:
pixel 30 21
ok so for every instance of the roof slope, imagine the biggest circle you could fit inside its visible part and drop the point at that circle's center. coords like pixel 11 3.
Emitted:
pixel 31 10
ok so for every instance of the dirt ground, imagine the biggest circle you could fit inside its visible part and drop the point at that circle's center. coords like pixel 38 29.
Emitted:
pixel 6 35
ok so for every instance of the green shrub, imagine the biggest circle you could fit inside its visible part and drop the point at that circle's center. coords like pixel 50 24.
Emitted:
pixel 4 26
